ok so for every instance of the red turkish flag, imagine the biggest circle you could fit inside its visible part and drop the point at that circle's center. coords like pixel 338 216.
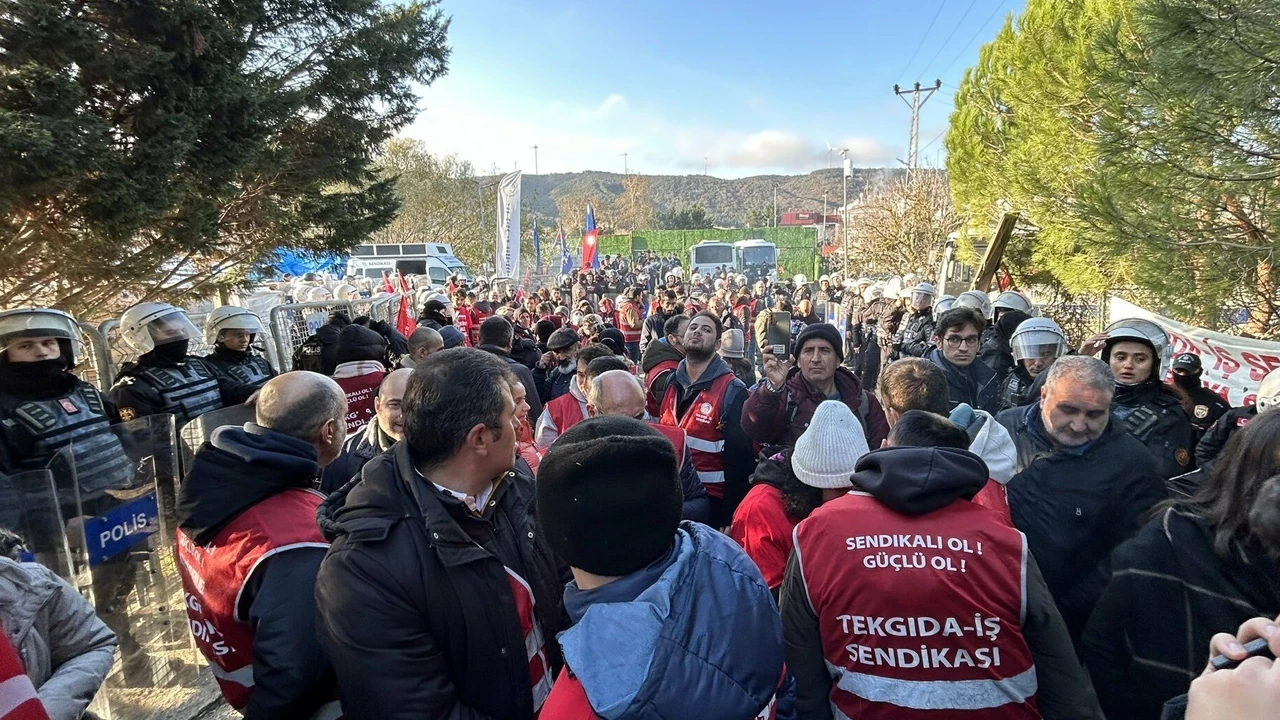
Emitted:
pixel 589 242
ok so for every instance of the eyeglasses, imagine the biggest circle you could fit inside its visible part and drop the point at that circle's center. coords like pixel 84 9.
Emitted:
pixel 956 341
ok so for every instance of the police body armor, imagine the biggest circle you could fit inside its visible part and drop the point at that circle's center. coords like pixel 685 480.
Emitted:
pixel 254 370
pixel 77 419
pixel 187 390
pixel 1156 423
pixel 918 328
pixel 1013 390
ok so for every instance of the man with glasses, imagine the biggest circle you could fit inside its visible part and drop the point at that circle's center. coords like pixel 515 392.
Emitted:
pixel 956 338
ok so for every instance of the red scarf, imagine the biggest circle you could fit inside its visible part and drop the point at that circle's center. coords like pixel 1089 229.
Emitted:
pixel 16 690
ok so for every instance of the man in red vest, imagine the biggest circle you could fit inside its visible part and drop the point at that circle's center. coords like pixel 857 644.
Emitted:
pixel 569 409
pixel 705 399
pixel 670 619
pixel 903 599
pixel 631 321
pixel 660 360
pixel 248 549
pixel 618 392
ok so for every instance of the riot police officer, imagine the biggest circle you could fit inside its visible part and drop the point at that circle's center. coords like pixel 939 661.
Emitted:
pixel 45 408
pixel 164 379
pixel 1035 344
pixel 232 331
pixel 915 331
pixel 1150 410
pixel 1203 405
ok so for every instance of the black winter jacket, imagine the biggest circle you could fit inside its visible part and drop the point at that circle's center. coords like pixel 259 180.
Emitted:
pixel 415 607
pixel 975 385
pixel 357 451
pixel 1211 445
pixel 526 379
pixel 1170 592
pixel 1075 505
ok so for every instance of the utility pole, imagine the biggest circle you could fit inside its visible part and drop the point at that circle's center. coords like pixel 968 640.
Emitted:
pixel 844 210
pixel 917 102
pixel 824 214
pixel 775 209
pixel 535 159
pixel 624 165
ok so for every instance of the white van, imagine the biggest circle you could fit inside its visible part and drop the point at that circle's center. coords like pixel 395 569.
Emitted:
pixel 434 260
pixel 708 256
pixel 758 260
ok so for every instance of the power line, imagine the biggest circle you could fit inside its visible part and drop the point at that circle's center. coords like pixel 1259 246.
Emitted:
pixel 924 37
pixel 949 36
pixel 999 6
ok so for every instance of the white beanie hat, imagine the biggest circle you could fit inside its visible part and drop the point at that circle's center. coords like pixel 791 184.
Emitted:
pixel 830 447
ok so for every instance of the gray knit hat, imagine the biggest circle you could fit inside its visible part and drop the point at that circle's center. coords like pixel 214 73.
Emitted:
pixel 830 447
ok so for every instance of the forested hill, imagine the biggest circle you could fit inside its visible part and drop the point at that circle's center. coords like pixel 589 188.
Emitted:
pixel 727 201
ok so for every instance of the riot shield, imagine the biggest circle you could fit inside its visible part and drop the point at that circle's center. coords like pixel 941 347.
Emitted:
pixel 133 581
pixel 29 509
pixel 199 431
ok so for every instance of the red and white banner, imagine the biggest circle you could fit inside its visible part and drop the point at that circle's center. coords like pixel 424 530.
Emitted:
pixel 1233 366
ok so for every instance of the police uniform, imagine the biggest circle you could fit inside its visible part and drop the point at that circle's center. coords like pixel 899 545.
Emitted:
pixel 187 389
pixel 914 336
pixel 1206 407
pixel 240 368
pixel 1014 388
pixel 36 427
pixel 1153 414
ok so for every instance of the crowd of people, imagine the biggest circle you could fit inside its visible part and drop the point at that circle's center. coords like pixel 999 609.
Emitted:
pixel 630 495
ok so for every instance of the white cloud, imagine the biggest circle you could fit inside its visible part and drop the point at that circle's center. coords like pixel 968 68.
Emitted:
pixel 572 137
pixel 771 151
pixel 615 103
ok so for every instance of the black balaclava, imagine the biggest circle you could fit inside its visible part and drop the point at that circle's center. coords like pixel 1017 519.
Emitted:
pixel 174 352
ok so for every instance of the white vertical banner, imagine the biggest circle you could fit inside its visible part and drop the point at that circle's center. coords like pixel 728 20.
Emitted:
pixel 507 262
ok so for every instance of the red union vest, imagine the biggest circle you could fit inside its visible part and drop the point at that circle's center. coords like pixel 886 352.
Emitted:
pixel 651 399
pixel 213 576
pixel 630 311
pixel 703 425
pixel 566 411
pixel 921 617
pixel 360 390
pixel 677 437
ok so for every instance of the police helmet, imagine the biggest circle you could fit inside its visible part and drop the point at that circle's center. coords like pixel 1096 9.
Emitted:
pixel 942 305
pixel 1269 391
pixel 346 291
pixel 976 300
pixel 319 294
pixel 1010 300
pixel 230 317
pixel 148 324
pixel 1038 338
pixel 893 288
pixel 42 322
pixel 921 292
pixel 1142 331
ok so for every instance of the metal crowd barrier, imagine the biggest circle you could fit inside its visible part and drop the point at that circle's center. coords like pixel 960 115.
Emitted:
pixel 293 323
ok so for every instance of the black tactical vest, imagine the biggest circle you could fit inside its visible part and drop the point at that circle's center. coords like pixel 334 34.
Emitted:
pixel 188 390
pixel 78 419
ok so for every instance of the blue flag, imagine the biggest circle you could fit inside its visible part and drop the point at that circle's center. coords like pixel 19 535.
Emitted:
pixel 537 250
pixel 566 262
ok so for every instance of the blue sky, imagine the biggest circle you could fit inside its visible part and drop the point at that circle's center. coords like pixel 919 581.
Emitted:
pixel 756 86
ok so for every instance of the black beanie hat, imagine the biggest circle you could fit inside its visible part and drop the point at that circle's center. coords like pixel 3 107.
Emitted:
pixel 609 495
pixel 821 331
pixel 357 342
